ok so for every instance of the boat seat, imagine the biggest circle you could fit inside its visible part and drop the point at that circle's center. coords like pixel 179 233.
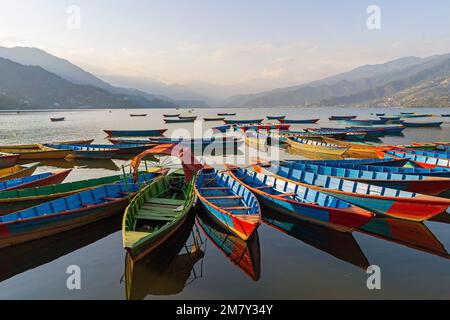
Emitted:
pixel 285 195
pixel 262 187
pixel 165 201
pixel 214 188
pixel 111 199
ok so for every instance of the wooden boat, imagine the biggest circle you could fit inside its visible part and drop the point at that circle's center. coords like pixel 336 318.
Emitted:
pixel 167 270
pixel 386 130
pixel 380 114
pixel 422 124
pixel 413 183
pixel 38 145
pixel 390 202
pixel 276 117
pixel 57 119
pixel 213 119
pixel 43 153
pixel 316 146
pixel 172 115
pixel 292 121
pixel 254 121
pixel 135 133
pixel 156 213
pixel 445 115
pixel 65 213
pixel 37 180
pixel 406 233
pixel 421 160
pixel 31 255
pixel 341 245
pixel 407 113
pixel 86 152
pixel 15 200
pixel 226 114
pixel 118 149
pixel 8 160
pixel 333 118
pixel 364 122
pixel 415 115
pixel 212 144
pixel 139 115
pixel 120 141
pixel 371 132
pixel 380 167
pixel 161 208
pixel 188 118
pixel 228 202
pixel 302 202
pixel 394 163
pixel 246 255
pixel 18 171
pixel 179 120
pixel 430 153
pixel 222 129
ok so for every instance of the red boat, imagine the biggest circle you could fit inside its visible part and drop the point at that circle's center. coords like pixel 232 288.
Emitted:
pixel 8 160
pixel 266 126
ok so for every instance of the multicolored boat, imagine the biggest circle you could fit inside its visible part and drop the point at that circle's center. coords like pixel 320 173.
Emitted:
pixel 38 146
pixel 395 163
pixel 316 146
pixel 412 183
pixel 246 255
pixel 302 121
pixel 333 118
pixel 391 202
pixel 265 126
pixel 377 166
pixel 360 148
pixel 135 133
pixel 66 213
pixel 119 149
pixel 37 180
pixel 228 202
pixel 15 200
pixel 18 171
pixel 301 202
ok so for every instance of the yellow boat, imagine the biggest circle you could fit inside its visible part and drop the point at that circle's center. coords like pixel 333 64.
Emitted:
pixel 363 149
pixel 39 154
pixel 19 171
pixel 37 145
pixel 316 146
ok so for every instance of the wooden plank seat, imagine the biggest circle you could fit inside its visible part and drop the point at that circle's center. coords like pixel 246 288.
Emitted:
pixel 165 201
pixel 110 199
pixel 147 214
pixel 235 208
pixel 262 187
pixel 286 195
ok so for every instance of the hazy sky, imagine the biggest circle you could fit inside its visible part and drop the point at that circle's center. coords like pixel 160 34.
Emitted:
pixel 227 41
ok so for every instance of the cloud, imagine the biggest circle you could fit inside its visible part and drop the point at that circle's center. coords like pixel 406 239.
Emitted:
pixel 272 73
pixel 186 46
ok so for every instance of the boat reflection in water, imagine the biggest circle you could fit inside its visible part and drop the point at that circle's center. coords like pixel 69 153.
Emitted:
pixel 407 233
pixel 244 254
pixel 30 255
pixel 166 270
pixel 341 245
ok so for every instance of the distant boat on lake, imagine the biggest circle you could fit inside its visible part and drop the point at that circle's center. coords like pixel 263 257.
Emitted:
pixel 58 119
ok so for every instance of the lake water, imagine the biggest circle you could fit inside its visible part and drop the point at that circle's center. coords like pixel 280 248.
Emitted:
pixel 287 260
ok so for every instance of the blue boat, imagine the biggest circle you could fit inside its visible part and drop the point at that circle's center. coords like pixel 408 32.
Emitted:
pixel 423 161
pixel 371 132
pixel 68 212
pixel 228 202
pixel 276 117
pixel 136 148
pixel 387 130
pixel 423 124
pixel 87 151
pixel 435 154
pixel 301 202
pixel 391 202
pixel 367 122
pixel 37 180
pixel 412 183
pixel 370 162
pixel 300 121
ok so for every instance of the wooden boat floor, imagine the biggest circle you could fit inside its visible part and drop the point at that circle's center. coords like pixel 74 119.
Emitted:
pixel 166 201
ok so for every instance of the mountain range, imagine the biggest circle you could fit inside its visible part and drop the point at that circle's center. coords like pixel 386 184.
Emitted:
pixel 33 78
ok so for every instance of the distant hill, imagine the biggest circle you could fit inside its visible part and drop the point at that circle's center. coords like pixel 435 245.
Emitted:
pixel 33 87
pixel 380 84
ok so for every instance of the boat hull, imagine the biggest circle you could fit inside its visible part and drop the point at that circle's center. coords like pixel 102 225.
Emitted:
pixel 135 133
pixel 8 160
pixel 338 151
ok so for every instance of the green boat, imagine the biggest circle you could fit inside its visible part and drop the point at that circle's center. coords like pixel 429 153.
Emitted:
pixel 156 213
pixel 17 200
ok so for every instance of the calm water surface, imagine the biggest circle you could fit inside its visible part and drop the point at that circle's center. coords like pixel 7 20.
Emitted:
pixel 288 259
